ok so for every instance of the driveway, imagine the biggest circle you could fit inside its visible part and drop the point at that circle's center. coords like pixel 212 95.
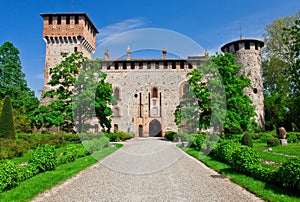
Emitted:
pixel 148 169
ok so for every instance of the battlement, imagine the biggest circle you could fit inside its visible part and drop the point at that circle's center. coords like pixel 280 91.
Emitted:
pixel 69 28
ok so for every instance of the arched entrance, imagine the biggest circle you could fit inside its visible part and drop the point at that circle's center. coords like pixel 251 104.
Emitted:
pixel 140 131
pixel 155 128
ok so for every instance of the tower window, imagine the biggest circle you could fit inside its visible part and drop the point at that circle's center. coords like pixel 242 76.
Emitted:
pixel 75 49
pixel 58 20
pixel 247 45
pixel 76 19
pixel 50 20
pixel 117 93
pixel 256 46
pixel 68 19
pixel 236 47
pixel 154 92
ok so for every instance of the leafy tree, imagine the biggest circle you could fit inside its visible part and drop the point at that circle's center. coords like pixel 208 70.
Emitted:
pixel 7 129
pixel 280 77
pixel 59 112
pixel 210 82
pixel 84 95
pixel 103 98
pixel 12 79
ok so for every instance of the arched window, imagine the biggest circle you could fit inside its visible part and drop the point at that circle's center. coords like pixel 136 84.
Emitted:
pixel 154 92
pixel 117 93
pixel 116 112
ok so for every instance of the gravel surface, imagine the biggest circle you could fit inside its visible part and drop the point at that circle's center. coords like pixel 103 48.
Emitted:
pixel 148 170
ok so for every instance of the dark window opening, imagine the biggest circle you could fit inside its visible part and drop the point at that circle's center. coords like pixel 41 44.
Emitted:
pixel 173 65
pixel 124 65
pixel 148 65
pixel 154 92
pixel 50 20
pixel 165 65
pixel 132 65
pixel 116 66
pixel 76 19
pixel 140 65
pixel 181 65
pixel 256 46
pixel 67 19
pixel 58 20
pixel 247 45
pixel 75 49
pixel 255 90
pixel 190 66
pixel 236 47
pixel 108 67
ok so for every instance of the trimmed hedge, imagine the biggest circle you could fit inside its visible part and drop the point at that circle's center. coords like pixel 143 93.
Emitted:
pixel 170 135
pixel 273 141
pixel 223 151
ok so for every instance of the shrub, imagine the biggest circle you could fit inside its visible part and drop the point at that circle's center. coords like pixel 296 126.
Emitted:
pixel 9 176
pixel 266 135
pixel 289 174
pixel 234 137
pixel 170 135
pixel 96 144
pixel 292 138
pixel 224 150
pixel 7 129
pixel 273 141
pixel 247 140
pixel 198 141
pixel 213 137
pixel 245 159
pixel 119 136
pixel 44 158
pixel 12 148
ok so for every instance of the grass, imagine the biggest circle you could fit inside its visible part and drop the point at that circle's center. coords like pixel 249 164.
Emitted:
pixel 41 182
pixel 292 149
pixel 266 191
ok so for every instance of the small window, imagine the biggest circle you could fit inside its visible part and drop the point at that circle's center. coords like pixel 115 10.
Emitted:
pixel 75 49
pixel 236 47
pixel 148 65
pixel 50 20
pixel 58 20
pixel 117 93
pixel 76 19
pixel 247 45
pixel 68 19
pixel 132 65
pixel 256 46
pixel 154 92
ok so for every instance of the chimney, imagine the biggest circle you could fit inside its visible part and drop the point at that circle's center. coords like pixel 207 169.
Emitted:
pixel 128 53
pixel 164 52
pixel 106 54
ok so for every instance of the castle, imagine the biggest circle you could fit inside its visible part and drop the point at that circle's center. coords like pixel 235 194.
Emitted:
pixel 147 90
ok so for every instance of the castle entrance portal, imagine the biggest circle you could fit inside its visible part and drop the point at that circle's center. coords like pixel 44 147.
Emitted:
pixel 155 128
pixel 140 131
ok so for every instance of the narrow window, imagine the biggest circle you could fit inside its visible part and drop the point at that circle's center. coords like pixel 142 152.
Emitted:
pixel 58 20
pixel 236 47
pixel 76 19
pixel 75 49
pixel 50 20
pixel 117 93
pixel 154 92
pixel 247 45
pixel 67 19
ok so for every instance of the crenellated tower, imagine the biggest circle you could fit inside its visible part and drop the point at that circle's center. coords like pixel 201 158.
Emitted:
pixel 66 32
pixel 248 55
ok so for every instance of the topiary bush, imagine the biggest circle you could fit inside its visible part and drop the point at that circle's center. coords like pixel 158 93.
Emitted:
pixel 44 158
pixel 247 140
pixel 7 129
pixel 273 141
pixel 289 174
pixel 292 138
pixel 199 141
pixel 224 150
pixel 245 159
pixel 170 135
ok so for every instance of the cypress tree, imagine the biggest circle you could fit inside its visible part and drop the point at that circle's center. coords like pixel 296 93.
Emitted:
pixel 6 120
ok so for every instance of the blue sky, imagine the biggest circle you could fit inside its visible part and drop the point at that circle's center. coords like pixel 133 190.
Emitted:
pixel 210 23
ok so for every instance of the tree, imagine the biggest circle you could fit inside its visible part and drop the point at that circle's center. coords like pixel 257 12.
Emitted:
pixel 7 129
pixel 12 80
pixel 59 112
pixel 104 98
pixel 279 76
pixel 210 83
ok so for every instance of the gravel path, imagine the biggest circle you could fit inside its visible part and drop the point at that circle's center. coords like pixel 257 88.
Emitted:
pixel 147 170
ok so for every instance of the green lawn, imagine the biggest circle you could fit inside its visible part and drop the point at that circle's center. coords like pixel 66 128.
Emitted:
pixel 43 181
pixel 266 191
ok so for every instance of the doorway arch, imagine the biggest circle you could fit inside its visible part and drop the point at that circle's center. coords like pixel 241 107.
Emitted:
pixel 155 128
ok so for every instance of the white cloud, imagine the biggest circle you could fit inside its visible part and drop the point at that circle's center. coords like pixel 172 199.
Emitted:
pixel 119 27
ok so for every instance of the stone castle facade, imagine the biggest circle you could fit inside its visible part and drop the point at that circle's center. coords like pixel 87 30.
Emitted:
pixel 147 90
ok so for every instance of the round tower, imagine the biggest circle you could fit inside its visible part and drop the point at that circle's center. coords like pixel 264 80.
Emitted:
pixel 248 55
